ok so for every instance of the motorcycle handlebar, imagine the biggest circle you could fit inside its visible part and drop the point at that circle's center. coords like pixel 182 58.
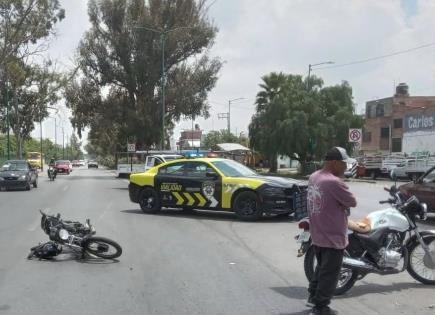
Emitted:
pixel 384 201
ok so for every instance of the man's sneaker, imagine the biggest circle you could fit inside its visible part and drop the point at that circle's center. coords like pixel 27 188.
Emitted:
pixel 310 302
pixel 325 310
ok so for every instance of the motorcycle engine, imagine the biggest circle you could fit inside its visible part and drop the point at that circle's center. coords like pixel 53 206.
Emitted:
pixel 390 256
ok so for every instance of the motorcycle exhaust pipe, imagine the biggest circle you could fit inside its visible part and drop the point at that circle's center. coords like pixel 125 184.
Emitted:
pixel 357 264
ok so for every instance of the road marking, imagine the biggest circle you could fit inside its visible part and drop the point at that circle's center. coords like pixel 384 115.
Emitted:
pixel 191 201
pixel 201 199
pixel 180 199
pixel 65 188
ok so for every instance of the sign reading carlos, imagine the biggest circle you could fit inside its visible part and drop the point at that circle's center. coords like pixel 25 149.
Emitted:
pixel 419 122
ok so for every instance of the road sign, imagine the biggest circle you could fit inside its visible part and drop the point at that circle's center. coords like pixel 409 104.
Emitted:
pixel 131 147
pixel 355 135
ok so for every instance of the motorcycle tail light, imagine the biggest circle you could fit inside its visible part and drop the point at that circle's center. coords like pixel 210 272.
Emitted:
pixel 304 225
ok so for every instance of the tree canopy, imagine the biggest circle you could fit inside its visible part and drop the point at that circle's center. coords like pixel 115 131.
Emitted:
pixel 119 89
pixel 26 86
pixel 214 137
pixel 301 122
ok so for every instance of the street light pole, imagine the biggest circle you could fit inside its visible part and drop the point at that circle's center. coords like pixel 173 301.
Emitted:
pixel 163 33
pixel 163 90
pixel 63 143
pixel 7 120
pixel 310 67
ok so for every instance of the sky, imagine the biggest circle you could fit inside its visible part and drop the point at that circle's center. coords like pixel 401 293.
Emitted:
pixel 262 36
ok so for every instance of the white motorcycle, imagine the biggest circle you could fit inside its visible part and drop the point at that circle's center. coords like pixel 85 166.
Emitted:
pixel 393 245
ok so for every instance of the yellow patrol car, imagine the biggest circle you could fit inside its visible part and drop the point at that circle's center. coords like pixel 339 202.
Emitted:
pixel 214 184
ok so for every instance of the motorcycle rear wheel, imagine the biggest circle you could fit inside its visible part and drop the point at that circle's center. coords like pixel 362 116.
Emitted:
pixel 346 279
pixel 96 245
pixel 420 266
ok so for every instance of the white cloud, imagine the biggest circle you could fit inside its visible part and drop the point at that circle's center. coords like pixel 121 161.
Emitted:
pixel 281 35
pixel 257 37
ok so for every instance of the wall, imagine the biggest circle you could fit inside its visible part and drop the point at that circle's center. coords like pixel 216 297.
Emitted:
pixel 419 141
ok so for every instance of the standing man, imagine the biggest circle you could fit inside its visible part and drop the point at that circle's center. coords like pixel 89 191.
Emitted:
pixel 328 201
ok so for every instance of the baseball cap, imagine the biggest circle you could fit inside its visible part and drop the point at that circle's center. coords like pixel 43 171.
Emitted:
pixel 337 154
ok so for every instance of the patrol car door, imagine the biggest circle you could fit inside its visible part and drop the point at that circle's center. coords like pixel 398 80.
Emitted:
pixel 168 183
pixel 202 186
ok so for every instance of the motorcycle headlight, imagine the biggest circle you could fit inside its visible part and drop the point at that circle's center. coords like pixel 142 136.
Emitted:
pixel 63 234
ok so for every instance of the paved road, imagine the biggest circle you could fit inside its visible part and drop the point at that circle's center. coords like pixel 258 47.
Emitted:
pixel 173 263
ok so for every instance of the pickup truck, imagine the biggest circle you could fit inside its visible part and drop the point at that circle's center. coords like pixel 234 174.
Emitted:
pixel 125 169
pixel 413 168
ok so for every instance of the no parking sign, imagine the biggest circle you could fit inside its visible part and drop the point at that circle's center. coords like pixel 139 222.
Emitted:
pixel 355 135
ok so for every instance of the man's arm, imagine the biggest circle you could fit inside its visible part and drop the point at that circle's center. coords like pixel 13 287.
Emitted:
pixel 342 194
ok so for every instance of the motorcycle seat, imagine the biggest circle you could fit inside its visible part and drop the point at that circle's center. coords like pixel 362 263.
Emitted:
pixel 373 238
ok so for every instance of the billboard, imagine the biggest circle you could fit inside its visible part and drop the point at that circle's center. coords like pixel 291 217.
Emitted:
pixel 419 122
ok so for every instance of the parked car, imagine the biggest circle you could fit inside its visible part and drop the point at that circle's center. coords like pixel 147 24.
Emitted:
pixel 82 163
pixel 16 174
pixel 63 166
pixel 92 164
pixel 423 188
pixel 75 163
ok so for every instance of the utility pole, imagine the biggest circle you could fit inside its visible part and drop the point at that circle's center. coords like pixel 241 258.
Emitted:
pixel 229 112
pixel 225 116
pixel 310 67
pixel 63 143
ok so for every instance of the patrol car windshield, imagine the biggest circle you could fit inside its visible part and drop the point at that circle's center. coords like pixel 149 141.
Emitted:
pixel 232 168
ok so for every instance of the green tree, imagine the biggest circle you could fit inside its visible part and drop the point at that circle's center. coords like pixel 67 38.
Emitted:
pixel 25 28
pixel 119 95
pixel 214 137
pixel 303 124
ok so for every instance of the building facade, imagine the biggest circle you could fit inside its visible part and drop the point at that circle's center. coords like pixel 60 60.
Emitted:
pixel 190 139
pixel 401 123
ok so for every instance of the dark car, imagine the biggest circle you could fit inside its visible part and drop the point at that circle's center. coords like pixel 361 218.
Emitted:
pixel 63 166
pixel 93 164
pixel 423 188
pixel 18 174
pixel 215 184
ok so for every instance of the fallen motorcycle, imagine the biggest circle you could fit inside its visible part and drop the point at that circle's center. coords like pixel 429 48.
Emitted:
pixel 75 235
pixel 393 244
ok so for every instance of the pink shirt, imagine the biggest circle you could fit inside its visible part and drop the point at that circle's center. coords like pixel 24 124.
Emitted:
pixel 328 198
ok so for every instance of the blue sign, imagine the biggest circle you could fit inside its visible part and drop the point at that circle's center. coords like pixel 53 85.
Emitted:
pixel 419 122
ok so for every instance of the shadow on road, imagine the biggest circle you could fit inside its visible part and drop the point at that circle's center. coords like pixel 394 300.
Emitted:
pixel 369 288
pixel 298 293
pixel 305 312
pixel 69 255
pixel 209 215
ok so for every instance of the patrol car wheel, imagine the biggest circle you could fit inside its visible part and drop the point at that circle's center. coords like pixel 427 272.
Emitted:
pixel 149 201
pixel 247 206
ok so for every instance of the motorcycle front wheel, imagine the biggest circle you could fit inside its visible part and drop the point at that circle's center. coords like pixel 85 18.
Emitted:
pixel 346 278
pixel 420 265
pixel 102 247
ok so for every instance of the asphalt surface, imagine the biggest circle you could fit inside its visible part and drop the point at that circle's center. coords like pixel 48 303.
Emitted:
pixel 173 262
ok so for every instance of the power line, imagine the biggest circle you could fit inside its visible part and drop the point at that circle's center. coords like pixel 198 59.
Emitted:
pixel 401 52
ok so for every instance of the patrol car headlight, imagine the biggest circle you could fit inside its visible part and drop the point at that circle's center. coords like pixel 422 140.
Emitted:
pixel 274 191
